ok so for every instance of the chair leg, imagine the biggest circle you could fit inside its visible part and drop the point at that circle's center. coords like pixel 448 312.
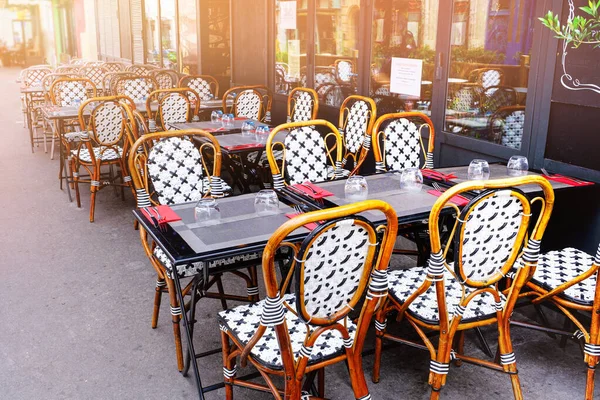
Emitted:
pixel 357 377
pixel 507 357
pixel 380 324
pixel 176 317
pixel 160 286
pixel 76 183
pixel 591 375
pixel 227 365
pixel 94 187
pixel 253 289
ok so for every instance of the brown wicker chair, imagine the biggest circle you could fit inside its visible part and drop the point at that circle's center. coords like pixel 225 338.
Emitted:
pixel 357 117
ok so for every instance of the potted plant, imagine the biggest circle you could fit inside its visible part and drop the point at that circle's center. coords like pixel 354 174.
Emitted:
pixel 579 29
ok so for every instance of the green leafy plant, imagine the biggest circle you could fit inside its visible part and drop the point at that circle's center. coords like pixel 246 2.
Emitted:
pixel 580 30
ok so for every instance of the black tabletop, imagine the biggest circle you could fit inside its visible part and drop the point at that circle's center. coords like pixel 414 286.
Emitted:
pixel 216 128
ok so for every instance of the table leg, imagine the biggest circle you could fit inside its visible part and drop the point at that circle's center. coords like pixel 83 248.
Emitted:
pixel 29 125
pixel 64 164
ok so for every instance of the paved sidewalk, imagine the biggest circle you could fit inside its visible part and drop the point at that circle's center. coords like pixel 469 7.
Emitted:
pixel 76 301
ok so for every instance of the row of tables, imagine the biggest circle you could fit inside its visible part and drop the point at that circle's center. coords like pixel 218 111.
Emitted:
pixel 241 231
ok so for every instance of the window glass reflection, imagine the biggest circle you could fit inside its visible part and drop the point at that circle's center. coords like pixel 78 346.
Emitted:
pixel 489 68
pixel 188 42
pixel 168 33
pixel 152 32
pixel 290 44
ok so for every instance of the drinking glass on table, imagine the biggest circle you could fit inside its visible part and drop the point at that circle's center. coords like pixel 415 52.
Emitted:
pixel 478 170
pixel 207 212
pixel 225 121
pixel 230 120
pixel 356 188
pixel 266 202
pixel 262 133
pixel 215 117
pixel 517 166
pixel 411 179
pixel 248 128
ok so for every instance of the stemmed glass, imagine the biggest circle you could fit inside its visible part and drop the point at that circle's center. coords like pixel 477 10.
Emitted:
pixel 356 188
pixel 478 170
pixel 266 202
pixel 411 179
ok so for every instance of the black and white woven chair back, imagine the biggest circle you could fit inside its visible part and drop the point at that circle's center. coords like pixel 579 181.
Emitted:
pixel 202 87
pixel 248 104
pixel 138 89
pixel 344 71
pixel 174 108
pixel 95 74
pixel 490 234
pixel 402 145
pixel 114 67
pixel 333 268
pixel 176 172
pixel 142 70
pixel 499 96
pixel 34 76
pixel 512 129
pixel 356 126
pixel 303 106
pixel 67 93
pixel 108 122
pixel 491 77
pixel 305 156
pixel 465 99
pixel 164 80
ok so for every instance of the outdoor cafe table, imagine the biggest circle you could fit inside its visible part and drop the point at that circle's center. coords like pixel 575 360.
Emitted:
pixel 217 128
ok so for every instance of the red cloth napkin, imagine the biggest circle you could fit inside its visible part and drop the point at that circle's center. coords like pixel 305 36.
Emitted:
pixel 165 212
pixel 311 190
pixel 245 146
pixel 240 118
pixel 458 199
pixel 567 180
pixel 310 226
pixel 437 175
pixel 215 130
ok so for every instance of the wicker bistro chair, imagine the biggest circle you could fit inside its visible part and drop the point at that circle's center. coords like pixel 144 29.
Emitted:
pixel 506 126
pixel 568 279
pixel 66 92
pixel 292 335
pixel 489 236
pixel 114 66
pixel 174 171
pixel 96 74
pixel 68 69
pixel 166 78
pixel 32 104
pixel 357 117
pixel 103 141
pixel 111 78
pixel 495 97
pixel 252 102
pixel 141 69
pixel 174 106
pixel 137 88
pixel 205 85
pixel 344 71
pixel 487 77
pixel 306 155
pixel 302 105
pixel 398 141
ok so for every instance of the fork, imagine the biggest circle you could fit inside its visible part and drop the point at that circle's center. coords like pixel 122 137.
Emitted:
pixel 298 209
pixel 437 187
pixel 161 220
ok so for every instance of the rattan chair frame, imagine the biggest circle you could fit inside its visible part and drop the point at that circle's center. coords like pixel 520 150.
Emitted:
pixel 120 81
pixel 160 74
pixel 160 95
pixel 88 85
pixel 360 155
pixel 294 372
pixel 141 69
pixel 213 83
pixel 450 327
pixel 291 103
pixel 267 100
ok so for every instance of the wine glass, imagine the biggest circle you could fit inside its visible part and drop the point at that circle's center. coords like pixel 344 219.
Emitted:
pixel 478 170
pixel 207 212
pixel 230 120
pixel 517 166
pixel 262 134
pixel 356 188
pixel 225 121
pixel 266 202
pixel 248 128
pixel 215 117
pixel 411 179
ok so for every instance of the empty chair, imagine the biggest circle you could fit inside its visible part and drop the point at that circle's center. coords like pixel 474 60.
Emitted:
pixel 68 69
pixel 114 66
pixel 111 78
pixel 137 88
pixel 167 168
pixel 96 74
pixel 466 99
pixel 174 106
pixel 495 97
pixel 398 141
pixel 141 69
pixel 344 71
pixel 248 102
pixel 205 85
pixel 506 126
pixel 302 105
pixel 357 116
pixel 304 324
pixel 71 91
pixel 489 235
pixel 487 77
pixel 307 154
pixel 166 78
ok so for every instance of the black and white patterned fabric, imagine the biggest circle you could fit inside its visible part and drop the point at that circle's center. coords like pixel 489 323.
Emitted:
pixel 184 271
pixel 142 70
pixel 491 77
pixel 137 90
pixel 34 76
pixel 164 80
pixel 175 169
pixel 67 93
pixel 113 66
pixel 95 74
pixel 303 107
pixel 243 321
pixel 499 96
pixel 101 153
pixel 403 283
pixel 489 234
pixel 332 268
pixel 512 129
pixel 306 156
pixel 402 148
pixel 356 126
pixel 174 108
pixel 558 267
pixel 202 87
pixel 344 71
pixel 109 123
pixel 248 104
pixel 465 99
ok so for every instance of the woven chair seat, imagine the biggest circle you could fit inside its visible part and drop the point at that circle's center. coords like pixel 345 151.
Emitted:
pixel 101 153
pixel 184 271
pixel 558 267
pixel 403 283
pixel 243 321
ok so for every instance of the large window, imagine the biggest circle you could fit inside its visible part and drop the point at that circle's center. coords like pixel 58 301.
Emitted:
pixel 215 40
pixel 188 39
pixel 336 50
pixel 404 37
pixel 290 44
pixel 168 33
pixel 489 67
pixel 152 32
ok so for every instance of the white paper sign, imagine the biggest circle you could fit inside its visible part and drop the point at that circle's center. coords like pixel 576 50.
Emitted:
pixel 294 58
pixel 287 15
pixel 406 75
